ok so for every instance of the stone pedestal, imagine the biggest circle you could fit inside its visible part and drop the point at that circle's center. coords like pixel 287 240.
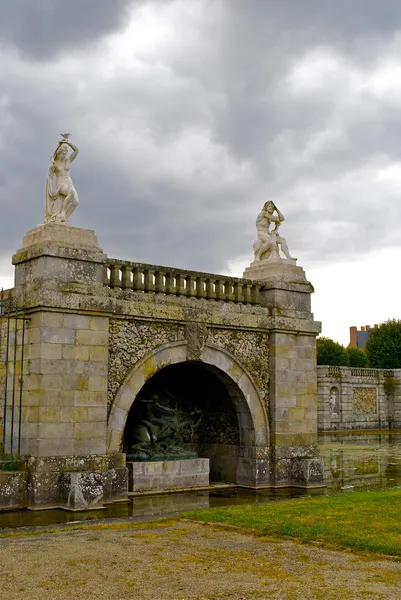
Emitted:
pixel 52 254
pixel 65 374
pixel 168 475
pixel 292 372
pixel 64 402
pixel 275 268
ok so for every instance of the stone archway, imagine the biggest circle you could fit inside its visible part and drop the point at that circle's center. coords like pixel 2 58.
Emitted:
pixel 252 453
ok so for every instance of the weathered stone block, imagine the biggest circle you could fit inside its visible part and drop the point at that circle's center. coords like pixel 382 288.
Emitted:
pixel 97 383
pixel 86 398
pixel 98 353
pixel 90 446
pixel 56 335
pixel 116 460
pixel 74 321
pixel 13 490
pixel 43 488
pixel 91 338
pixel 253 472
pixel 89 430
pixel 307 470
pixel 155 476
pixel 95 368
pixel 115 484
pixel 75 352
pixel 55 446
pixel 82 490
pixel 99 324
pixel 50 319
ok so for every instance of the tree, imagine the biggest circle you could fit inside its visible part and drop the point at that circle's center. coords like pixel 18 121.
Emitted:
pixel 356 357
pixel 330 352
pixel 383 347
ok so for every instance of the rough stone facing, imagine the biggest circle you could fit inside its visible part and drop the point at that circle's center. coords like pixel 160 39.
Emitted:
pixel 129 341
pixel 251 348
pixel 364 400
pixel 13 489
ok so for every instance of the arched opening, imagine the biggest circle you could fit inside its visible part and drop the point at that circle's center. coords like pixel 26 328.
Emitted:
pixel 208 410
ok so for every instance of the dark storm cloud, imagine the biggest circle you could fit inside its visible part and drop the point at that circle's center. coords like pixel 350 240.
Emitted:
pixel 204 110
pixel 41 29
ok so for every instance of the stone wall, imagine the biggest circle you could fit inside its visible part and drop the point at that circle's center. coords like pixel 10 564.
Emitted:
pixel 364 398
pixel 99 330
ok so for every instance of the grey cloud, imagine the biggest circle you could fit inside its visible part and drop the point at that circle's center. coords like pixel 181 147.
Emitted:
pixel 225 77
pixel 42 29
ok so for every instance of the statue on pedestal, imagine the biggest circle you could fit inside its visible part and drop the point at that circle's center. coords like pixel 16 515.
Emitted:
pixel 333 402
pixel 269 242
pixel 62 202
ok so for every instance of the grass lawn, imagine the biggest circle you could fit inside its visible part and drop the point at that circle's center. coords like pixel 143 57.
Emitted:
pixel 362 521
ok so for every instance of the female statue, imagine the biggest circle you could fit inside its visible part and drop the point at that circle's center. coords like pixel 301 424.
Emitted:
pixel 59 205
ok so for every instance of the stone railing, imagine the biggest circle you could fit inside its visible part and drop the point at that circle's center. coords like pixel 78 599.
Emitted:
pixel 355 372
pixel 140 277
pixel 363 372
pixel 334 371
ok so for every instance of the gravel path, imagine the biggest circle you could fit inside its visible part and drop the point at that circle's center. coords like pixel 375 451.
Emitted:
pixel 183 560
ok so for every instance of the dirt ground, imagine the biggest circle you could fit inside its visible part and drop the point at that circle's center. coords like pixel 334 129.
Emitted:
pixel 184 560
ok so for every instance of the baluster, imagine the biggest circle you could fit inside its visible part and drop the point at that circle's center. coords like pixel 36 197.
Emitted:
pixel 228 291
pixel 126 282
pixel 115 276
pixel 169 288
pixel 255 293
pixel 148 281
pixel 238 296
pixel 210 293
pixel 159 282
pixel 179 284
pixel 200 287
pixel 218 286
pixel 246 290
pixel 137 283
pixel 190 286
pixel 106 278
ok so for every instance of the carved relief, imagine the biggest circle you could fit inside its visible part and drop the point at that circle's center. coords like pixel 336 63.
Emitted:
pixel 196 336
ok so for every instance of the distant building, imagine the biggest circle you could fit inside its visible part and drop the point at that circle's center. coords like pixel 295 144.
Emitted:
pixel 358 337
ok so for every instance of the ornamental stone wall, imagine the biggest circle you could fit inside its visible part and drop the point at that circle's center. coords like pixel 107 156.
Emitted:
pixel 97 330
pixel 363 399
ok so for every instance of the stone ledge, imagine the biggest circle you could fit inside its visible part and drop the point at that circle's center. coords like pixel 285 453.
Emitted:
pixel 73 253
pixel 168 475
pixel 272 270
pixel 61 235
pixel 60 464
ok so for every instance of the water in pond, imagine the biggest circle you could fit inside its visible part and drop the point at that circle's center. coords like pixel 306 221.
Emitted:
pixel 353 462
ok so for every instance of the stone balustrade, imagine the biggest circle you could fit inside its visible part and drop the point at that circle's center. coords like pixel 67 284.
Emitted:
pixel 354 372
pixel 140 277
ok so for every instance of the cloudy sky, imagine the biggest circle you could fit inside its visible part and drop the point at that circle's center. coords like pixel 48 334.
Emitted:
pixel 189 114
